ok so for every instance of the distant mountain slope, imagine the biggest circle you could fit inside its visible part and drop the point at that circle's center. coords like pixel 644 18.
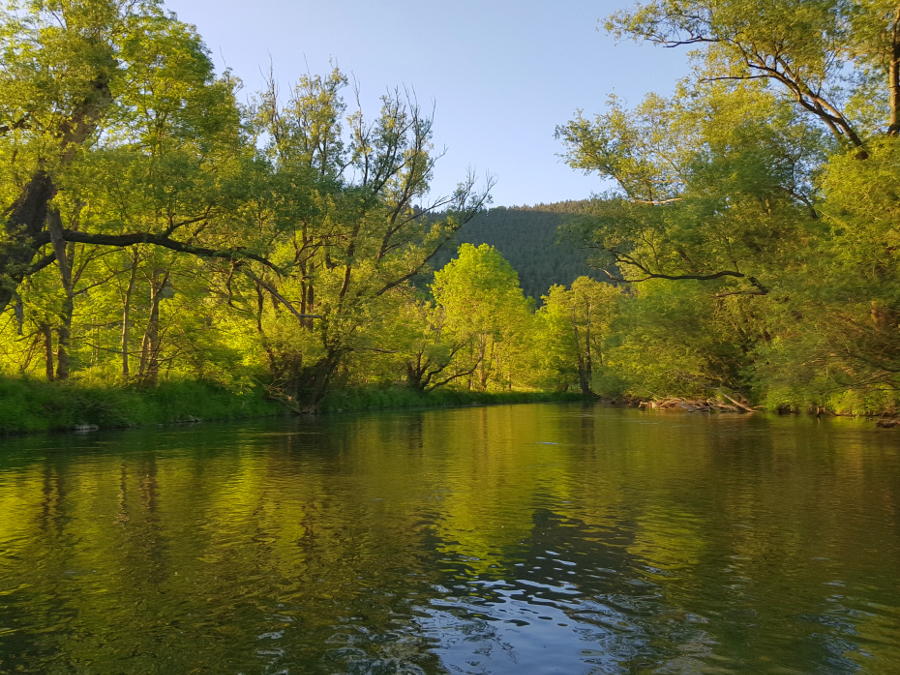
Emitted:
pixel 530 239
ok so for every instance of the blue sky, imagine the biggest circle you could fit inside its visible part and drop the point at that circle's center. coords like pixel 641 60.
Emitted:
pixel 500 73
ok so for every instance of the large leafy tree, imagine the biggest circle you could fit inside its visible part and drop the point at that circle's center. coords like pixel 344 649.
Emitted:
pixel 86 75
pixel 577 326
pixel 838 60
pixel 349 204
pixel 713 185
pixel 769 175
pixel 132 176
pixel 484 308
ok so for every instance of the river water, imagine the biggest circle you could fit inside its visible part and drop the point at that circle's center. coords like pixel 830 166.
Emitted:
pixel 551 538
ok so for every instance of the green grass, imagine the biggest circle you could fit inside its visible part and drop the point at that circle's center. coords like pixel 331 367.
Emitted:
pixel 385 398
pixel 28 405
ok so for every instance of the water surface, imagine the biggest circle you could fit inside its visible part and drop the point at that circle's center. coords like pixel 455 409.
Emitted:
pixel 551 538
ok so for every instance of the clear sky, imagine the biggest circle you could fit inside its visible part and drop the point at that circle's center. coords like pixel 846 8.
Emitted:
pixel 500 73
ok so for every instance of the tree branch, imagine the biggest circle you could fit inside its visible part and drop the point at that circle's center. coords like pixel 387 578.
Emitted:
pixel 132 239
pixel 628 260
pixel 21 123
pixel 278 296
pixel 37 266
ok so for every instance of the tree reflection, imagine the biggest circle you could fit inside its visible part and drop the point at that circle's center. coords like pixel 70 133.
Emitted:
pixel 555 536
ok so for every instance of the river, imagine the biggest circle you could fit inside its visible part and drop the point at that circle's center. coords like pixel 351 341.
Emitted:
pixel 550 538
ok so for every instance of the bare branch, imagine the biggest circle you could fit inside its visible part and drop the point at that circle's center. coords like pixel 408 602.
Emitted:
pixel 628 260
pixel 657 202
pixel 278 296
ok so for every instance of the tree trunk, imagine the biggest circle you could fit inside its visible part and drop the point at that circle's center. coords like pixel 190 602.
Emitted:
pixel 486 365
pixel 125 343
pixel 25 220
pixel 64 335
pixel 894 77
pixel 306 389
pixel 65 264
pixel 150 345
pixel 415 373
pixel 47 334
pixel 587 378
pixel 583 361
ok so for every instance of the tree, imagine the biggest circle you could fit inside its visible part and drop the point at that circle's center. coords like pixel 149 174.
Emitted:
pixel 823 58
pixel 427 354
pixel 714 185
pixel 483 307
pixel 825 55
pixel 577 327
pixel 132 175
pixel 346 204
pixel 82 71
pixel 742 182
pixel 677 340
pixel 837 341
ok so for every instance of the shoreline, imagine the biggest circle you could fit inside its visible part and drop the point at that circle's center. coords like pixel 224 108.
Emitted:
pixel 30 406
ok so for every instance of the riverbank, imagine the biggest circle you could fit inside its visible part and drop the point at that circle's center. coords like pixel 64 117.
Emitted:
pixel 28 405
pixel 888 418
pixel 393 398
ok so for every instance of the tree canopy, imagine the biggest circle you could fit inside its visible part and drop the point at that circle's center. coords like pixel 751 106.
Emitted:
pixel 154 227
pixel 769 177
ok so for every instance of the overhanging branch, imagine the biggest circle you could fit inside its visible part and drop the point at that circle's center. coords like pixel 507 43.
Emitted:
pixel 648 274
pixel 132 239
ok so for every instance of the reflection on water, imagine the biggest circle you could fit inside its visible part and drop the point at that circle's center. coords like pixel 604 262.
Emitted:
pixel 539 539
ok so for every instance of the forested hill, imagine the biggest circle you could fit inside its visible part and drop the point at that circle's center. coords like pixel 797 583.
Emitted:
pixel 530 238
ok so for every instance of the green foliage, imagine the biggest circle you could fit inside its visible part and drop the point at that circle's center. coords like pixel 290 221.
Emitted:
pixel 534 240
pixel 380 398
pixel 574 334
pixel 484 308
pixel 676 341
pixel 158 237
pixel 31 405
pixel 756 210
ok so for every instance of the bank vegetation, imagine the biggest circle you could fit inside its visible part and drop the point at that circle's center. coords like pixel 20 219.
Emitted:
pixel 157 232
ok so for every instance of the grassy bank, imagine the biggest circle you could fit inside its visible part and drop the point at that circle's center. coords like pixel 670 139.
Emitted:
pixel 372 398
pixel 28 405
